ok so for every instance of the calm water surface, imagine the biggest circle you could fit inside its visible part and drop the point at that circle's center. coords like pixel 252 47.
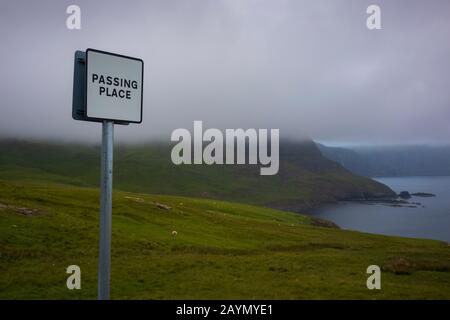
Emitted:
pixel 431 221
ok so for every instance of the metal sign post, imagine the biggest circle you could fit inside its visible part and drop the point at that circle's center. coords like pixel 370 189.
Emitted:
pixel 107 88
pixel 104 261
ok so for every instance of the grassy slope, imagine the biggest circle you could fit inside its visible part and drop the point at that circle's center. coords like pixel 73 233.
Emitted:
pixel 222 250
pixel 305 177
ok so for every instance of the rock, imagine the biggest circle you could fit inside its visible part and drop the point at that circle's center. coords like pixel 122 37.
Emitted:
pixel 21 210
pixel 323 223
pixel 135 199
pixel 423 194
pixel 404 195
pixel 163 206
pixel 26 211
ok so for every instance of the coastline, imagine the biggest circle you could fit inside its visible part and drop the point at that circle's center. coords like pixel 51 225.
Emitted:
pixel 421 213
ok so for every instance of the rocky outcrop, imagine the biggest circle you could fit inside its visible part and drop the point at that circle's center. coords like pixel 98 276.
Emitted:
pixel 404 195
pixel 423 194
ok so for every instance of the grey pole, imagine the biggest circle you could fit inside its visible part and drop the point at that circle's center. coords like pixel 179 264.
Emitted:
pixel 104 261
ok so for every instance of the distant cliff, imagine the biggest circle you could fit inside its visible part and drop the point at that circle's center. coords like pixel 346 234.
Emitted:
pixel 392 160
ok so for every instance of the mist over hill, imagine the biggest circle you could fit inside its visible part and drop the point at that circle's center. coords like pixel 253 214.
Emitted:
pixel 419 160
pixel 305 178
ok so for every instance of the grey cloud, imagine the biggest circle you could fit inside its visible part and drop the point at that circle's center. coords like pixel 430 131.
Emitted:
pixel 306 67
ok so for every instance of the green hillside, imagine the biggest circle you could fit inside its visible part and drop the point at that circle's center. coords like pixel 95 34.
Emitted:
pixel 305 177
pixel 221 250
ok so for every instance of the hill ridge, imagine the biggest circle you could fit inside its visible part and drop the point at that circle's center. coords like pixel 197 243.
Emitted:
pixel 305 178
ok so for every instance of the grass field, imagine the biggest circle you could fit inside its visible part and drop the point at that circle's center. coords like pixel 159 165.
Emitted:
pixel 221 250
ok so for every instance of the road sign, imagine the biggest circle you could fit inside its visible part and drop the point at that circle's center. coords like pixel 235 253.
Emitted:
pixel 79 86
pixel 107 88
pixel 114 86
pixel 79 90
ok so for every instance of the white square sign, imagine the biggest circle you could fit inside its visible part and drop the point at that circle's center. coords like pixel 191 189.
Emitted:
pixel 114 86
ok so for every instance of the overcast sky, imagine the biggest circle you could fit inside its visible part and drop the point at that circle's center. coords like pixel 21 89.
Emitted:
pixel 309 68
